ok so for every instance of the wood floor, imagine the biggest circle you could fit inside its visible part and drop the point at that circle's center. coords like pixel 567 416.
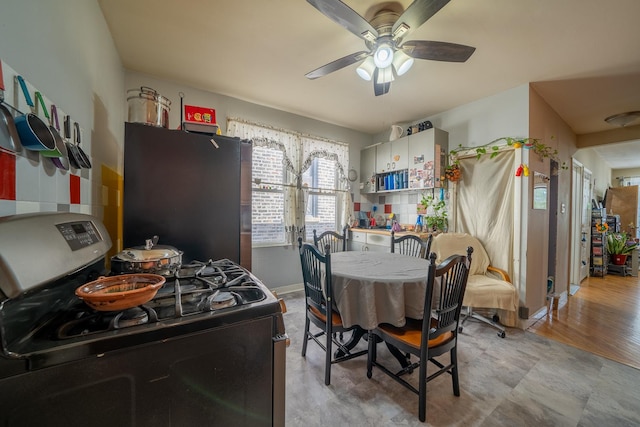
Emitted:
pixel 602 317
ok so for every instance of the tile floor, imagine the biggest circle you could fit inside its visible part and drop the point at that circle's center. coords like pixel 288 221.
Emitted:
pixel 522 380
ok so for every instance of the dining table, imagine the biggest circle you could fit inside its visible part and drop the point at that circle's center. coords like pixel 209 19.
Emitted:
pixel 371 288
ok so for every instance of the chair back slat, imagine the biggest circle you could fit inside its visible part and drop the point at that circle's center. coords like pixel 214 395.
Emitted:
pixel 316 275
pixel 411 245
pixel 449 281
pixel 337 242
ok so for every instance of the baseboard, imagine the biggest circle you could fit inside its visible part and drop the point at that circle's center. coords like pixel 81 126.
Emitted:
pixel 288 289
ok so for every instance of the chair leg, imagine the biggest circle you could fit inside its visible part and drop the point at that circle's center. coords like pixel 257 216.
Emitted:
pixel 306 336
pixel 472 314
pixel 327 364
pixel 422 389
pixel 454 371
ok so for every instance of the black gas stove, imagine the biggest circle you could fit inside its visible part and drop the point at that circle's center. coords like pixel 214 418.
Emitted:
pixel 205 289
pixel 213 329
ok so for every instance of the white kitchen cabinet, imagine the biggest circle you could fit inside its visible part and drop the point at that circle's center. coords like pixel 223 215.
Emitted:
pixel 392 156
pixel 427 154
pixel 363 241
pixel 368 169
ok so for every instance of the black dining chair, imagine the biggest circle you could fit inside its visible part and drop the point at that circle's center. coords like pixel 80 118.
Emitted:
pixel 433 336
pixel 316 276
pixel 337 242
pixel 411 245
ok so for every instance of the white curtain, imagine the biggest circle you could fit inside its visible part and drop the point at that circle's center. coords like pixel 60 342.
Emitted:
pixel 485 209
pixel 298 153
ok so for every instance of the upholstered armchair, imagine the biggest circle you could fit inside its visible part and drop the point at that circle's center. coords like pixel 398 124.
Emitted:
pixel 488 287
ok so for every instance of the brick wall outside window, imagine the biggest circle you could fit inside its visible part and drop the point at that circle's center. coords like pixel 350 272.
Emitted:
pixel 268 199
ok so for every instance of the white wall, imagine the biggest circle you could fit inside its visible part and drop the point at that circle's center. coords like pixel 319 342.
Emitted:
pixel 600 171
pixel 474 124
pixel 64 50
pixel 276 266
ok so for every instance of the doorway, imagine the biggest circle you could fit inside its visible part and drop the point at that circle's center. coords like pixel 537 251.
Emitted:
pixel 580 225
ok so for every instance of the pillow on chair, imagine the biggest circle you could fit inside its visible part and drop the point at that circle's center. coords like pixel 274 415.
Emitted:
pixel 445 244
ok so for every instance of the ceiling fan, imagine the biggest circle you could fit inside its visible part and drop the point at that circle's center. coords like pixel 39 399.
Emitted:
pixel 388 55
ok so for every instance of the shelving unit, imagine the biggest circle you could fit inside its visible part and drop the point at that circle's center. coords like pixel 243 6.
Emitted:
pixel 599 258
pixel 411 163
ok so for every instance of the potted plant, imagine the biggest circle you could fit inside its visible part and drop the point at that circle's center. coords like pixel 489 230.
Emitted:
pixel 435 213
pixel 619 246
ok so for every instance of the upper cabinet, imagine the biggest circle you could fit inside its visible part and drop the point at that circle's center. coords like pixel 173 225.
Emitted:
pixel 427 158
pixel 417 160
pixel 393 155
pixel 368 169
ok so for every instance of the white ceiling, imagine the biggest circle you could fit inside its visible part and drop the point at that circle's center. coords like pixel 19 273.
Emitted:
pixel 582 56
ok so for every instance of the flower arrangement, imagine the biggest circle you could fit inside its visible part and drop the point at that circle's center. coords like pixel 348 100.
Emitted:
pixel 620 244
pixel 602 227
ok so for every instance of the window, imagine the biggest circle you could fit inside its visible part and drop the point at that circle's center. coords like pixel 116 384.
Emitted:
pixel 267 199
pixel 322 207
pixel 282 160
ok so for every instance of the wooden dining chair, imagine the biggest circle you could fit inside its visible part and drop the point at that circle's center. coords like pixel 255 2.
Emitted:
pixel 316 276
pixel 411 245
pixel 433 336
pixel 337 242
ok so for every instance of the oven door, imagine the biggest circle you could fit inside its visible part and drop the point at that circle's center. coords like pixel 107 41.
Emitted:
pixel 222 376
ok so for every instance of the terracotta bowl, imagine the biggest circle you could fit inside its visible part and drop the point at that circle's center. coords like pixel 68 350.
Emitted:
pixel 117 293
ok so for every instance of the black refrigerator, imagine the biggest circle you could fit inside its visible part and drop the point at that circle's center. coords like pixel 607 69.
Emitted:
pixel 191 190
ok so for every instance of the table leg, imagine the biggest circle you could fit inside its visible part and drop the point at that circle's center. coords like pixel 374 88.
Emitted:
pixel 402 358
pixel 357 335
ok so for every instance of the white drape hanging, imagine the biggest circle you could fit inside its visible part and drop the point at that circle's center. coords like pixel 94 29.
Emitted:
pixel 485 204
pixel 298 154
pixel 485 209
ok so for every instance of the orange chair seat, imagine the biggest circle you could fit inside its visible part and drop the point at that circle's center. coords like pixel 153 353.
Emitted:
pixel 336 320
pixel 411 333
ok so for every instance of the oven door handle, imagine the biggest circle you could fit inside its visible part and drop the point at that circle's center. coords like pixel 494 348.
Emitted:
pixel 280 344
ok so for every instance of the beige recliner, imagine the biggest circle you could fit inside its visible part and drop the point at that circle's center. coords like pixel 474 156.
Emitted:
pixel 488 287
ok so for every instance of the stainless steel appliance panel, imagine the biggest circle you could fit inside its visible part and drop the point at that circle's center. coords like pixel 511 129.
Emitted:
pixel 76 240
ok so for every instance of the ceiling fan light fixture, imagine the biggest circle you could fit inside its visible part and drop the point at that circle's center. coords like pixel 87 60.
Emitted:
pixel 385 75
pixel 623 119
pixel 366 68
pixel 402 62
pixel 383 56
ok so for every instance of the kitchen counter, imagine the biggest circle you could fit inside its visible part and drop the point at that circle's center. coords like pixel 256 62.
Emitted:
pixel 387 232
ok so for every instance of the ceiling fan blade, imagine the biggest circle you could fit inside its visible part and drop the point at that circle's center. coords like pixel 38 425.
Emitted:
pixel 415 15
pixel 379 88
pixel 336 65
pixel 437 51
pixel 342 14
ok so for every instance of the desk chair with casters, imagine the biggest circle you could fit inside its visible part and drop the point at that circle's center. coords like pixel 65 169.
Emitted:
pixel 433 336
pixel 337 242
pixel 411 245
pixel 488 287
pixel 316 276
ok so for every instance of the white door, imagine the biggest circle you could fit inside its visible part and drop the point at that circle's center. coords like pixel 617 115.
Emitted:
pixel 577 240
pixel 580 223
pixel 585 231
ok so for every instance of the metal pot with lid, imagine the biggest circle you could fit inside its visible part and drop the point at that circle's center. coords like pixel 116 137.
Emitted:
pixel 148 106
pixel 150 258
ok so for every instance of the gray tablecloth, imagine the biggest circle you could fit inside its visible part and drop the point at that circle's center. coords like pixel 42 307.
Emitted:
pixel 371 288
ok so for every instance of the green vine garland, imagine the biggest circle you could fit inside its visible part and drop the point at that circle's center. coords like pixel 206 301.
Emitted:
pixel 534 144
